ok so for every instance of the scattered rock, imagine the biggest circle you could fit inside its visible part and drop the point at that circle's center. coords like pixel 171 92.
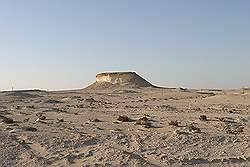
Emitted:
pixel 96 120
pixel 90 153
pixel 70 158
pixel 188 130
pixel 123 118
pixel 98 128
pixel 7 120
pixel 203 118
pixel 91 100
pixel 226 119
pixel 18 107
pixel 174 123
pixel 242 120
pixel 234 129
pixel 30 107
pixel 60 120
pixel 179 132
pixel 28 128
pixel 52 101
pixel 144 121
pixel 166 108
pixel 40 116
pixel 194 129
pixel 43 117
pixel 26 120
pixel 79 106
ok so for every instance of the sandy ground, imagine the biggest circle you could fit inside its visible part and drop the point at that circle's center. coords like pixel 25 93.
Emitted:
pixel 159 127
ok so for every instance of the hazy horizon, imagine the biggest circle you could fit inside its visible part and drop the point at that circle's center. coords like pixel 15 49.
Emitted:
pixel 62 44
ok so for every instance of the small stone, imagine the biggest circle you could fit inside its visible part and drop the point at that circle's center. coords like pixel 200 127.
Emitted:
pixel 28 128
pixel 144 121
pixel 7 120
pixel 90 153
pixel 178 132
pixel 41 116
pixel 96 120
pixel 53 101
pixel 174 123
pixel 60 120
pixel 203 118
pixel 98 128
pixel 26 120
pixel 123 118
pixel 90 100
pixel 194 129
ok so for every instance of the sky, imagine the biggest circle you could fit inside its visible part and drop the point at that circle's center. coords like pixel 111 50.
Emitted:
pixel 62 44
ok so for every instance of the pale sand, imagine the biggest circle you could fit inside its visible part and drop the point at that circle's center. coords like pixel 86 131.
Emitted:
pixel 78 141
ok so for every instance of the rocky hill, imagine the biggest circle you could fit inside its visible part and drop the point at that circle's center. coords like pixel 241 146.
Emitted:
pixel 119 80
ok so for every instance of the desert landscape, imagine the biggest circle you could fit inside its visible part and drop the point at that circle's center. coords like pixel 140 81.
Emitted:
pixel 123 120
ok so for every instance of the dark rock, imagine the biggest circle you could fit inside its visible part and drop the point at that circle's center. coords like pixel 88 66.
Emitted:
pixel 90 100
pixel 52 101
pixel 174 123
pixel 7 120
pixel 123 118
pixel 203 118
pixel 28 128
pixel 144 121
pixel 234 129
pixel 41 116
pixel 60 120
pixel 26 120
pixel 194 129
pixel 96 120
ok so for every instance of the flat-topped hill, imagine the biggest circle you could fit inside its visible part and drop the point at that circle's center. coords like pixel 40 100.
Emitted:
pixel 119 80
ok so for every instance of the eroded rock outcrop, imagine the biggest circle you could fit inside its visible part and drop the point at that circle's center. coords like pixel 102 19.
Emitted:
pixel 119 80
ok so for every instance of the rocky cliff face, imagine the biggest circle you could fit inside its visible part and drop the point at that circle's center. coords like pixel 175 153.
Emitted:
pixel 119 80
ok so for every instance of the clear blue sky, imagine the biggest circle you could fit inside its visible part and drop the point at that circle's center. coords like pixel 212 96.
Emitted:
pixel 62 44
